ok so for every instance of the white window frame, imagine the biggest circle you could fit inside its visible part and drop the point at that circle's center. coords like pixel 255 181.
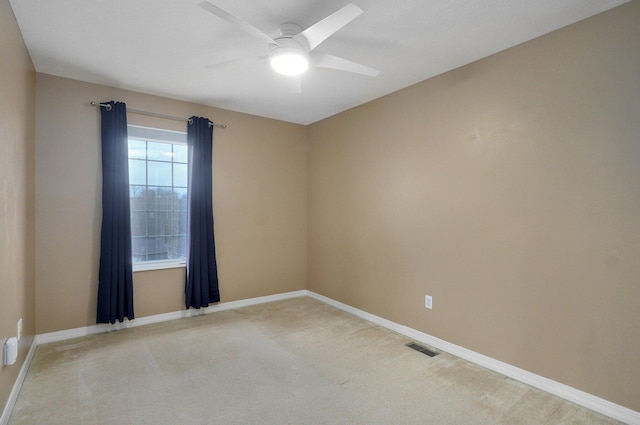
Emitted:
pixel 150 134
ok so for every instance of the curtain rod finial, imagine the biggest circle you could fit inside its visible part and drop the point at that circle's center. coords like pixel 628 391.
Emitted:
pixel 98 104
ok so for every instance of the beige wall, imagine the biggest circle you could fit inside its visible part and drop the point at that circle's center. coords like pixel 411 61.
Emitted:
pixel 509 190
pixel 17 107
pixel 259 204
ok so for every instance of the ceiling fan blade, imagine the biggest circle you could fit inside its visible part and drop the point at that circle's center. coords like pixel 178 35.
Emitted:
pixel 243 25
pixel 334 62
pixel 320 31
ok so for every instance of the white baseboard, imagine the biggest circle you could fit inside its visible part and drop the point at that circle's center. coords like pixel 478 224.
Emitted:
pixel 566 392
pixel 13 396
pixel 157 318
pixel 103 328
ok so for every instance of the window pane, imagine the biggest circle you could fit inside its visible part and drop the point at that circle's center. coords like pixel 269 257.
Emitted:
pixel 171 224
pixel 182 222
pixel 180 153
pixel 137 172
pixel 156 249
pixel 138 198
pixel 181 199
pixel 159 173
pixel 159 151
pixel 174 247
pixel 180 175
pixel 158 177
pixel 139 248
pixel 137 149
pixel 159 223
pixel 182 244
pixel 138 223
pixel 160 199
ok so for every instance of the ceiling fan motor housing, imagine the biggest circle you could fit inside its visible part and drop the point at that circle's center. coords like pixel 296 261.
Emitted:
pixel 289 57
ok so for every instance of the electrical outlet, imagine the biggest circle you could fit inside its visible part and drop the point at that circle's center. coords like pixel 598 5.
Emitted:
pixel 10 351
pixel 428 301
pixel 19 329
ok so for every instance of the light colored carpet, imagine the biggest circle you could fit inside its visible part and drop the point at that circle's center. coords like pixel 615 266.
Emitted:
pixel 297 361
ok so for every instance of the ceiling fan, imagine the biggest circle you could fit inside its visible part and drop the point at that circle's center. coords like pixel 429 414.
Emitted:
pixel 291 52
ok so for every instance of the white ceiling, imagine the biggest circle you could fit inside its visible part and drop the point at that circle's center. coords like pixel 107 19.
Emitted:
pixel 174 48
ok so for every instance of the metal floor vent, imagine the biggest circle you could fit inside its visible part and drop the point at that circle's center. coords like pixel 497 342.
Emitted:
pixel 422 349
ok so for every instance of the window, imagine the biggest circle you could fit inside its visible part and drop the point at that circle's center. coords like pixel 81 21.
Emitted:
pixel 158 177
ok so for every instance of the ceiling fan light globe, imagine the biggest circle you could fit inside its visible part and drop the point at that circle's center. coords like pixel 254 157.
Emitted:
pixel 288 61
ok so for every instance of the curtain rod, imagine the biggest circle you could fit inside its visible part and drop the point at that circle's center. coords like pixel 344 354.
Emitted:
pixel 153 114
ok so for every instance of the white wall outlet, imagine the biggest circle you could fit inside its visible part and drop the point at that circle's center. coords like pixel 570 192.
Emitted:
pixel 19 329
pixel 10 351
pixel 428 301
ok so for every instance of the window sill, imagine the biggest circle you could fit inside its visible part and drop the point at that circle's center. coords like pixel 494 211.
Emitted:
pixel 159 265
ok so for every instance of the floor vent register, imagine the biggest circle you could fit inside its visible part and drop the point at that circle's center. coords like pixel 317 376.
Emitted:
pixel 422 349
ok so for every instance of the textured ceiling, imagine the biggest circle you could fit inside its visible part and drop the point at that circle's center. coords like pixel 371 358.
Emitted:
pixel 174 48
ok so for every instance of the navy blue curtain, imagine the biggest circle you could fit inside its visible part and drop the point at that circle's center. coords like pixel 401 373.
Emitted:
pixel 115 287
pixel 201 286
